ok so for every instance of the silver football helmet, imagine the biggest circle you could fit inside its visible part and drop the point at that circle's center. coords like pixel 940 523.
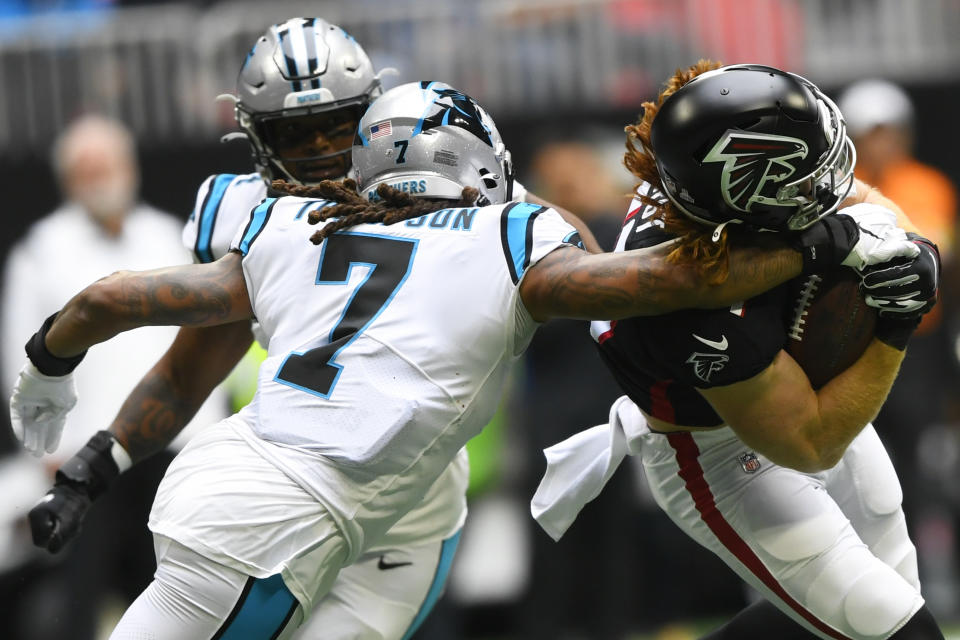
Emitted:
pixel 301 92
pixel 431 140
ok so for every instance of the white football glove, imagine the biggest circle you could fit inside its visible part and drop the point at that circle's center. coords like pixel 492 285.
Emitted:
pixel 39 407
pixel 880 240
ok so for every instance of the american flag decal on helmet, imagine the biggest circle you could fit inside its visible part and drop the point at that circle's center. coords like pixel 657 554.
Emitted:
pixel 382 128
pixel 750 162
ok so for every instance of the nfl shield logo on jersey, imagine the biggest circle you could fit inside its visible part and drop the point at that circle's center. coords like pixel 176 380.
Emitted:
pixel 749 462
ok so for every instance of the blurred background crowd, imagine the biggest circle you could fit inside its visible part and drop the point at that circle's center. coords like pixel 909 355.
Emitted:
pixel 108 105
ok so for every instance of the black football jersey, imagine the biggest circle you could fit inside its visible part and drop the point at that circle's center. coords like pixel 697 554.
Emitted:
pixel 660 361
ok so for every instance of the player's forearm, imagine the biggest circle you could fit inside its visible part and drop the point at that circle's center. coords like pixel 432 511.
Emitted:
pixel 852 399
pixel 569 283
pixel 172 392
pixel 752 271
pixel 193 295
pixel 152 416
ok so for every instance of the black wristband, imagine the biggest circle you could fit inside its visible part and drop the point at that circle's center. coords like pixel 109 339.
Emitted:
pixel 896 332
pixel 45 362
pixel 827 243
pixel 93 468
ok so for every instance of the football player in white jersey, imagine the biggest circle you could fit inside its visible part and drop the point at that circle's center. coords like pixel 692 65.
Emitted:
pixel 788 483
pixel 300 93
pixel 388 347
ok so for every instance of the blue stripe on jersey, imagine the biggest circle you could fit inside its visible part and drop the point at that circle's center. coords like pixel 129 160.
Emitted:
pixel 208 216
pixel 258 220
pixel 263 610
pixel 516 235
pixel 447 550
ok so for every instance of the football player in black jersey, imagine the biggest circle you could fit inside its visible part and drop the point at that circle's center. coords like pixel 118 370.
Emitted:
pixel 788 484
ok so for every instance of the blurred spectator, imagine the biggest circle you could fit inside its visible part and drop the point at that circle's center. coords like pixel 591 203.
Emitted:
pixel 99 229
pixel 880 120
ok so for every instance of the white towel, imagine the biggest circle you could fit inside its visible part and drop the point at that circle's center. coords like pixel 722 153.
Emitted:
pixel 579 467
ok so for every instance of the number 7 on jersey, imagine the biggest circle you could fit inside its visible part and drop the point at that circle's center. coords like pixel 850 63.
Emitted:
pixel 389 260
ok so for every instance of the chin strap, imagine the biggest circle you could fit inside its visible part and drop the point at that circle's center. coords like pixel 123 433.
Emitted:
pixel 508 171
pixel 233 135
pixel 720 227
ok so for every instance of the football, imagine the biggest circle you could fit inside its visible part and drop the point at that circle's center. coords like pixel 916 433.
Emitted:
pixel 830 325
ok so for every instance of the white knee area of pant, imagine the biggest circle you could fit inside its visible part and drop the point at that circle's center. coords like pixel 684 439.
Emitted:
pixel 858 595
pixel 880 602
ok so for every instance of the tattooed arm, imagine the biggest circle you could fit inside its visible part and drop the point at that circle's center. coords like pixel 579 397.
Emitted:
pixel 568 283
pixel 169 395
pixel 194 295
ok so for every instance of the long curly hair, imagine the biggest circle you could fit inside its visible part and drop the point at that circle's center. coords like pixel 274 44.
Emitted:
pixel 695 245
pixel 352 208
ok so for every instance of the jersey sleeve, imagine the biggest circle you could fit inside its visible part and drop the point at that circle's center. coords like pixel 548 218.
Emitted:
pixel 197 234
pixel 247 234
pixel 705 349
pixel 528 232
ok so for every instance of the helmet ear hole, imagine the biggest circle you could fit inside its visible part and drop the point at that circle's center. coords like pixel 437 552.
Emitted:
pixel 489 179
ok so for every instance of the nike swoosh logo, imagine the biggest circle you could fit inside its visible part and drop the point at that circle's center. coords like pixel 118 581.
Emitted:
pixel 720 345
pixel 383 565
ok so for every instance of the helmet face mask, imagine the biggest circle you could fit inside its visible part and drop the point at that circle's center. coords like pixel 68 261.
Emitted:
pixel 431 140
pixel 304 77
pixel 310 146
pixel 753 145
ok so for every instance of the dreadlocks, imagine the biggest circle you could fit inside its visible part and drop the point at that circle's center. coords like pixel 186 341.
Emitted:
pixel 352 209
pixel 695 245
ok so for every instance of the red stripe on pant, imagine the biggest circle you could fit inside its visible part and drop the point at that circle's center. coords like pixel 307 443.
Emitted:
pixel 692 473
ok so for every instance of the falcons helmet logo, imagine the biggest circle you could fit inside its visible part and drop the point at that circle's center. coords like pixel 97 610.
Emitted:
pixel 750 162
pixel 707 364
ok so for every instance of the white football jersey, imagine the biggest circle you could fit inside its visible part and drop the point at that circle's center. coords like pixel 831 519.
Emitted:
pixel 389 344
pixel 223 205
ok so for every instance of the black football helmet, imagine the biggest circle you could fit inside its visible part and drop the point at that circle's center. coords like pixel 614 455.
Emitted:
pixel 755 145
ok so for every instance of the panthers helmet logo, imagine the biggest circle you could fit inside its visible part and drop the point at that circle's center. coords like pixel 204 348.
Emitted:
pixel 707 364
pixel 750 162
pixel 454 109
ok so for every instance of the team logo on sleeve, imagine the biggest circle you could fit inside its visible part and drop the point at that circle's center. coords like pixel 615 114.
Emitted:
pixel 751 161
pixel 707 364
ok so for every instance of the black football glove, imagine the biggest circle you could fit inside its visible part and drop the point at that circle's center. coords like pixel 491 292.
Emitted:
pixel 902 291
pixel 860 235
pixel 825 244
pixel 57 517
